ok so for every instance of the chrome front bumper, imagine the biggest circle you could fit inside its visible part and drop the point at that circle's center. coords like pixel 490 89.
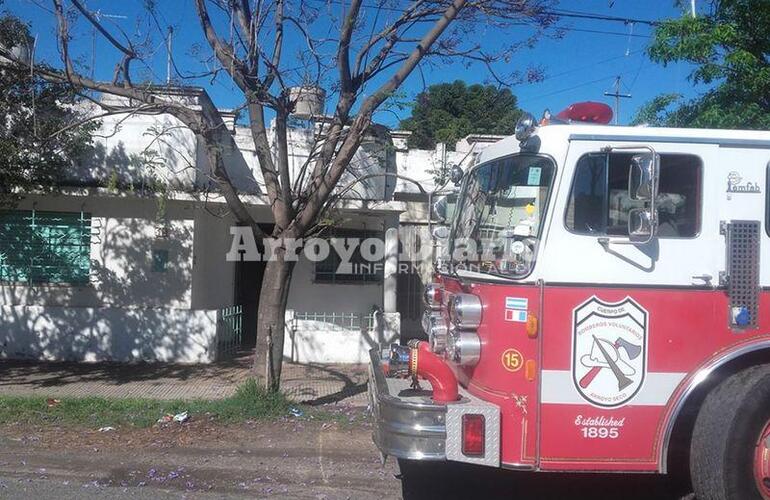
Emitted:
pixel 408 424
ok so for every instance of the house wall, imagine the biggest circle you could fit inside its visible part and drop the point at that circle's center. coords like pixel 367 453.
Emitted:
pixel 213 280
pixel 310 341
pixel 306 295
pixel 108 334
pixel 127 311
pixel 125 233
pixel 348 338
pixel 137 151
pixel 363 179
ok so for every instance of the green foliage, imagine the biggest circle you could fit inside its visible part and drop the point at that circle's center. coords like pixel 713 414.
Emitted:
pixel 447 112
pixel 730 49
pixel 250 402
pixel 655 112
pixel 36 145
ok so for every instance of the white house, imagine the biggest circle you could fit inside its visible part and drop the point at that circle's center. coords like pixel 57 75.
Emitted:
pixel 129 261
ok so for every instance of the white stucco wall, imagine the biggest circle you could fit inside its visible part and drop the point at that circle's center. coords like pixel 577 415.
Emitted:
pixel 323 341
pixel 306 295
pixel 213 276
pixel 127 311
pixel 125 233
pixel 310 341
pixel 125 298
pixel 108 334
pixel 374 157
pixel 137 149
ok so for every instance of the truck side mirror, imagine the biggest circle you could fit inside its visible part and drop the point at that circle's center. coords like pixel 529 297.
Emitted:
pixel 643 177
pixel 456 174
pixel 641 225
pixel 440 209
pixel 441 233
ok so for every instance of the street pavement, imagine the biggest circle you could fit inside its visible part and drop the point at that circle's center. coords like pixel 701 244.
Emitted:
pixel 289 458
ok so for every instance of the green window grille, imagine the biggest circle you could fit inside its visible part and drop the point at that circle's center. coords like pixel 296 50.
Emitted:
pixel 45 247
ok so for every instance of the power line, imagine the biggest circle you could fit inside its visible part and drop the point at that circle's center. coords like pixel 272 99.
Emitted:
pixel 602 32
pixel 600 17
pixel 575 14
pixel 587 66
pixel 561 91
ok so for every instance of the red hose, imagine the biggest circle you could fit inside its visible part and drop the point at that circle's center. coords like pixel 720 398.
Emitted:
pixel 433 368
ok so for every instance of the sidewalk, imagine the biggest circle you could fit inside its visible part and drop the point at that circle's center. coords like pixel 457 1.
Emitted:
pixel 310 384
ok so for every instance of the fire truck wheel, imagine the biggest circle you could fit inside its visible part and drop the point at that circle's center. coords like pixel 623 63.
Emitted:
pixel 730 449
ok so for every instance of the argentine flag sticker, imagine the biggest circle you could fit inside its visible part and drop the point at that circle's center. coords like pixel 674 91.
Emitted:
pixel 516 303
pixel 516 309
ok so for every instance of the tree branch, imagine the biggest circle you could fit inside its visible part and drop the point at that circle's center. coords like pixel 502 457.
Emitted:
pixel 322 186
pixel 343 51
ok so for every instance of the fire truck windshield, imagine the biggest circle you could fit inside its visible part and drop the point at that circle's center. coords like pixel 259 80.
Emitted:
pixel 498 222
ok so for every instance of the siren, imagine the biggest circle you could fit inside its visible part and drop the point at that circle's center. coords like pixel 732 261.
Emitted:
pixel 585 112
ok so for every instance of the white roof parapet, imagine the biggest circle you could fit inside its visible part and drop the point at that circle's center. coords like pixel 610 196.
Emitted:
pixel 480 140
pixel 229 116
pixel 400 138
pixel 188 96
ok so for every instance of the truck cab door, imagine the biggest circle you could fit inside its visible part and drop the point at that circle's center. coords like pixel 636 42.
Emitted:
pixel 623 320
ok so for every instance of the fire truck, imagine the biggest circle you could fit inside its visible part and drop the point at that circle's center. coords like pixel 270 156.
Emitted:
pixel 603 307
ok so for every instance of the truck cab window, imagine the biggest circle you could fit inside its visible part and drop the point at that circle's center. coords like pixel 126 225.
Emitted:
pixel 599 203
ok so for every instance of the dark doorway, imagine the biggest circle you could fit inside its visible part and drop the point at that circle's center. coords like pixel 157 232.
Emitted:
pixel 248 283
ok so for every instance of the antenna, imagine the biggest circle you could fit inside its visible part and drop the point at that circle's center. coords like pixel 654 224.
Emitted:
pixel 98 15
pixel 617 95
pixel 692 7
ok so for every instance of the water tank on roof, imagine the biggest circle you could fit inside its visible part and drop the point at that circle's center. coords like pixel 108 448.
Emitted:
pixel 21 52
pixel 309 101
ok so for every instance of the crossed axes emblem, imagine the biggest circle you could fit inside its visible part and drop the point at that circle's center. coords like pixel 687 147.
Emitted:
pixel 606 354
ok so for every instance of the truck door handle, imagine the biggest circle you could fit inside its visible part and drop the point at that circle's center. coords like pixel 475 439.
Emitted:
pixel 703 277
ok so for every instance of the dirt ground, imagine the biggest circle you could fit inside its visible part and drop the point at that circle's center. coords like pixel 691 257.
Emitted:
pixel 289 458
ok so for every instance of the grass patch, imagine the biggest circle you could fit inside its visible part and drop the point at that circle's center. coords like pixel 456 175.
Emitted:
pixel 250 402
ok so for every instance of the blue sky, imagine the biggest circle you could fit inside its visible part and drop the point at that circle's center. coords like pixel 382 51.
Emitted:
pixel 580 66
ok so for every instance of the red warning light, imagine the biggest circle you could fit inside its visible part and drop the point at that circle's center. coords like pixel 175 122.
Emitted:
pixel 473 435
pixel 586 112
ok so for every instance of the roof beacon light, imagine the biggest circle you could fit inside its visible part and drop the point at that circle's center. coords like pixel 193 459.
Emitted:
pixel 586 112
pixel 525 126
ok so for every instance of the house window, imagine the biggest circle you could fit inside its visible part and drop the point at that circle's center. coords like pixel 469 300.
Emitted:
pixel 360 270
pixel 45 247
pixel 599 203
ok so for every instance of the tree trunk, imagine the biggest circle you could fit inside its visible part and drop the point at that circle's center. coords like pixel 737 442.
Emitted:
pixel 274 294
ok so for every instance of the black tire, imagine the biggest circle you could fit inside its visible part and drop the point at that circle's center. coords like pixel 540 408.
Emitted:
pixel 725 435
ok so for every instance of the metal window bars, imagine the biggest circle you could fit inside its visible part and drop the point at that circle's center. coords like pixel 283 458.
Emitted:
pixel 343 320
pixel 47 247
pixel 360 269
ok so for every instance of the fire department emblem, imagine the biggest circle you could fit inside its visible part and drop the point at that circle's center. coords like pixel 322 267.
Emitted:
pixel 609 350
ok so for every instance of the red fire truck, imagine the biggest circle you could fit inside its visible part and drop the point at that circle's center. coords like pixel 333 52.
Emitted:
pixel 601 307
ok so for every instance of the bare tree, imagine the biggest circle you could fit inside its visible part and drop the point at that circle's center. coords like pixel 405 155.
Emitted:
pixel 267 47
